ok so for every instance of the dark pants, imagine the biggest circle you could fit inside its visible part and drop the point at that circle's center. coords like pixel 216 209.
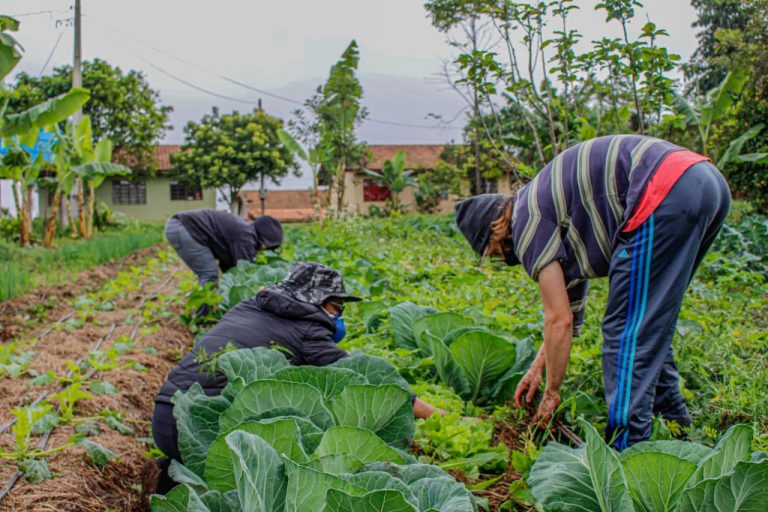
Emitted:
pixel 164 430
pixel 650 270
pixel 199 258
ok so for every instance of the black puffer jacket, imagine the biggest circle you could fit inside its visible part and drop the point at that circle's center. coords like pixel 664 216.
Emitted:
pixel 269 318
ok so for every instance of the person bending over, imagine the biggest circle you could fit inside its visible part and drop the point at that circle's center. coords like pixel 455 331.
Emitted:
pixel 302 314
pixel 209 240
pixel 642 212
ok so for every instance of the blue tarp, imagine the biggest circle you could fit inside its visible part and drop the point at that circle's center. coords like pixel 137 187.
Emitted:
pixel 43 146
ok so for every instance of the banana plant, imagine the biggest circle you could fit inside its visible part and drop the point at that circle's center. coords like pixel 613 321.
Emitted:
pixel 713 106
pixel 93 166
pixel 23 159
pixel 21 131
pixel 394 176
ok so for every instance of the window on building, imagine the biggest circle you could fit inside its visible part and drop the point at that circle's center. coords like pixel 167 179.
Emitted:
pixel 181 191
pixel 129 192
pixel 373 191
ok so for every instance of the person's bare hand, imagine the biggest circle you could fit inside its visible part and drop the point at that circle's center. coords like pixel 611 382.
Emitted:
pixel 526 389
pixel 547 407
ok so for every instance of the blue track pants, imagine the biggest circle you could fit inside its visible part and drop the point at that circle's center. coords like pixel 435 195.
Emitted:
pixel 650 270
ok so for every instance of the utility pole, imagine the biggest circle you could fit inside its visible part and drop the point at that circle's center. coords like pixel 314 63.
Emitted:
pixel 262 188
pixel 77 65
pixel 77 81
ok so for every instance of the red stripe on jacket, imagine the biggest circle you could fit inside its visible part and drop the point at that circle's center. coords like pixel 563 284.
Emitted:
pixel 669 171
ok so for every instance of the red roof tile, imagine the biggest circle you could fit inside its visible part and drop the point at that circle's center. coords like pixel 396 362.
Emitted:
pixel 163 154
pixel 418 156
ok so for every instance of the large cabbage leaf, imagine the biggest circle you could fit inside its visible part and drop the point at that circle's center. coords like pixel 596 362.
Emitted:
pixel 282 435
pixel 181 498
pixel 735 446
pixel 444 494
pixel 197 420
pixel 745 489
pixel 375 369
pixel 259 474
pixel 402 318
pixel 380 480
pixel 363 444
pixel 588 478
pixel 375 501
pixel 439 325
pixel 483 359
pixel 385 410
pixel 251 364
pixel 329 381
pixel 271 398
pixel 308 488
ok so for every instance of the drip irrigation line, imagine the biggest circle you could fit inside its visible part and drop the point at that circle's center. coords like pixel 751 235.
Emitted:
pixel 11 482
pixel 46 437
pixel 42 396
pixel 55 324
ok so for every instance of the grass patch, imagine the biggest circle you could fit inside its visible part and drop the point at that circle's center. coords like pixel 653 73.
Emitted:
pixel 28 268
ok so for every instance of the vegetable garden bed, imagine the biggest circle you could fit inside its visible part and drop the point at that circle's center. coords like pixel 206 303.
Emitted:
pixel 434 322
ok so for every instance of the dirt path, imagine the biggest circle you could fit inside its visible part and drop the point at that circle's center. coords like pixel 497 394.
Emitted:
pixel 78 484
pixel 20 314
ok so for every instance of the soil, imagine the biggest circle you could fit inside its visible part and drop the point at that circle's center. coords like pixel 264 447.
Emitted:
pixel 80 485
pixel 19 314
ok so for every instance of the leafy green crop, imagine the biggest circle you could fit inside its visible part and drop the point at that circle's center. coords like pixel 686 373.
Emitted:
pixel 246 279
pixel 658 476
pixel 285 438
pixel 480 366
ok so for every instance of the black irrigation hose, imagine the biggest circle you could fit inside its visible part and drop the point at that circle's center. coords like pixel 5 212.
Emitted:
pixel 44 440
pixel 44 394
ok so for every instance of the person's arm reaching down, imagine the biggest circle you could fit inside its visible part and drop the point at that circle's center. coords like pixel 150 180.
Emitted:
pixel 422 409
pixel 558 336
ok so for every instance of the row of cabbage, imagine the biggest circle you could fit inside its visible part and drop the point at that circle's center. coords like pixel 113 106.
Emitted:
pixel 284 438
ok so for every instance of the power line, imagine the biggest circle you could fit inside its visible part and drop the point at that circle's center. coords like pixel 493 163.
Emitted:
pixel 53 50
pixel 35 13
pixel 243 85
pixel 179 79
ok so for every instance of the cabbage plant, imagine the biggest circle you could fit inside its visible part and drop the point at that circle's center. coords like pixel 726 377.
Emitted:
pixel 301 438
pixel 246 279
pixel 480 366
pixel 654 476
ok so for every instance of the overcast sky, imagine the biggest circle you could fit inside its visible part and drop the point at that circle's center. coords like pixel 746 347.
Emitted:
pixel 286 48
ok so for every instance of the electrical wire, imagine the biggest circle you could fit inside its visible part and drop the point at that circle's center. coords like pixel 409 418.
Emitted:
pixel 50 55
pixel 244 85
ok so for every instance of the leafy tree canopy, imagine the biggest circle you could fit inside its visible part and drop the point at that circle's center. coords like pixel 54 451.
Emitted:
pixel 226 151
pixel 123 107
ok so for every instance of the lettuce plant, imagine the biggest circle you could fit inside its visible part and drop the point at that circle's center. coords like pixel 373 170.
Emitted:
pixel 480 366
pixel 285 438
pixel 658 476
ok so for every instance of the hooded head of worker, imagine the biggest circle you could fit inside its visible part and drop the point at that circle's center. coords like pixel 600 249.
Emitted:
pixel 486 223
pixel 322 286
pixel 269 232
pixel 315 284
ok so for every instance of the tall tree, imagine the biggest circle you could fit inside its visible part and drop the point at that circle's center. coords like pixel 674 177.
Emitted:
pixel 339 111
pixel 226 151
pixel 734 37
pixel 22 134
pixel 123 107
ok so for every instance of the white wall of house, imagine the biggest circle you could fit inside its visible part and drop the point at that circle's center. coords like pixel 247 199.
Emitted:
pixel 6 199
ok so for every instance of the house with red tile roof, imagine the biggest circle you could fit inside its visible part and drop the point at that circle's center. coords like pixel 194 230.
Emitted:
pixel 159 197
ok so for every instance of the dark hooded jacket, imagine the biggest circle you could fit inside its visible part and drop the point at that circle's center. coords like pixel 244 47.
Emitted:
pixel 270 318
pixel 229 237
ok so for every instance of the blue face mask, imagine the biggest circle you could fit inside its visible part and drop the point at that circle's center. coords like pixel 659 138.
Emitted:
pixel 341 329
